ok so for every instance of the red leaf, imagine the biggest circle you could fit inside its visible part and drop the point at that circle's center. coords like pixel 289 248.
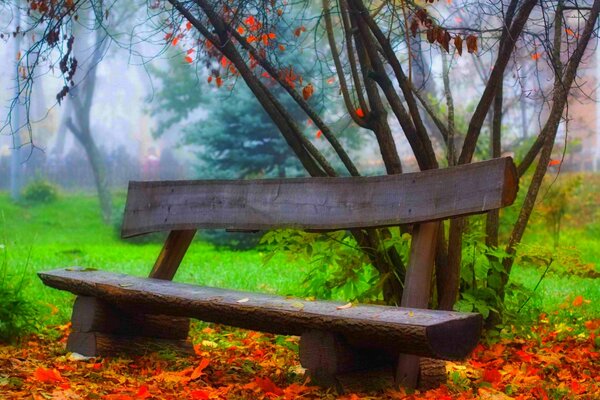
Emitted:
pixel 553 163
pixel 198 372
pixel 188 25
pixel 175 41
pixel 48 375
pixel 319 133
pixel 143 392
pixel 219 81
pixel 267 386
pixel 307 91
pixel 189 59
pixel 199 394
pixel 360 112
pixel 524 356
pixel 535 56
pixel 492 376
pixel 578 301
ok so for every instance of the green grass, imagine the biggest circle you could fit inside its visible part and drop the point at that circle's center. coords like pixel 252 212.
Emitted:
pixel 69 232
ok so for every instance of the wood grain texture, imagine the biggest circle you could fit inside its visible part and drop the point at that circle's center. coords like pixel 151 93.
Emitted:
pixel 172 253
pixel 439 334
pixel 91 314
pixel 320 203
pixel 416 293
pixel 93 344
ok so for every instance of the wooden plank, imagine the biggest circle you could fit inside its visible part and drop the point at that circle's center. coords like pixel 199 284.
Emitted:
pixel 172 253
pixel 417 287
pixel 320 203
pixel 440 334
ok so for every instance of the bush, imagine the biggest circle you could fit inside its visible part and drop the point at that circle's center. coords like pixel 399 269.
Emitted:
pixel 17 314
pixel 40 191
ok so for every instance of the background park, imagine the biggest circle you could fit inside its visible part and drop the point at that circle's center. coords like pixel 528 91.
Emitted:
pixel 98 93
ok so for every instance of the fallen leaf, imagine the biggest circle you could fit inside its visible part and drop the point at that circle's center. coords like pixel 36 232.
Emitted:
pixel 198 372
pixel 344 307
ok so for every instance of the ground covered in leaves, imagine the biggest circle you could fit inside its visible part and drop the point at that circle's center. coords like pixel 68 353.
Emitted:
pixel 554 359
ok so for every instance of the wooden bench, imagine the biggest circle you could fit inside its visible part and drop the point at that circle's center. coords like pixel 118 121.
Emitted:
pixel 115 312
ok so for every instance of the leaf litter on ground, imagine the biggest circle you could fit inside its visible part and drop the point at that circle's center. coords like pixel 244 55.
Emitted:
pixel 555 359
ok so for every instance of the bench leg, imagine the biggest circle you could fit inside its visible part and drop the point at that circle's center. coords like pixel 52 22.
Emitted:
pixel 331 361
pixel 99 328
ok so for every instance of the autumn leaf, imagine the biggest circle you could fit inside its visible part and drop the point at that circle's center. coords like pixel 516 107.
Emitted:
pixel 219 81
pixel 535 56
pixel 143 392
pixel 189 59
pixel 553 163
pixel 319 133
pixel 307 91
pixel 360 112
pixel 175 41
pixel 188 25
pixel 48 375
pixel 267 386
pixel 198 372
pixel 209 79
pixel 578 301
pixel 458 43
pixel 298 31
pixel 471 44
pixel 199 395
pixel 492 376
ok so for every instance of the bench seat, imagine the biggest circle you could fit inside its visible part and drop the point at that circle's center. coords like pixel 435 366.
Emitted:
pixel 429 333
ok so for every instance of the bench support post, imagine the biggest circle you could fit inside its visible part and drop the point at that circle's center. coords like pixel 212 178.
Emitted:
pixel 99 328
pixel 417 288
pixel 331 361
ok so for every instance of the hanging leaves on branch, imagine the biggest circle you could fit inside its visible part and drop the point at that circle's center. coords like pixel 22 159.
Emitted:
pixel 422 22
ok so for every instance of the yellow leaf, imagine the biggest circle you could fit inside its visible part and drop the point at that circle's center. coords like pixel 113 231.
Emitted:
pixel 344 307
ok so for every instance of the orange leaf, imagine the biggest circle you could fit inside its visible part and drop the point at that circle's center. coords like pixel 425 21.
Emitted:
pixel 281 47
pixel 224 62
pixel 569 32
pixel 219 81
pixel 199 394
pixel 578 301
pixel 143 392
pixel 319 133
pixel 535 56
pixel 198 372
pixel 189 59
pixel 175 41
pixel 308 91
pixel 241 30
pixel 267 386
pixel 360 112
pixel 48 375
pixel 188 25
pixel 299 30
pixel 553 163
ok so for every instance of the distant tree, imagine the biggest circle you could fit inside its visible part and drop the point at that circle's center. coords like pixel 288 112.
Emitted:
pixel 235 138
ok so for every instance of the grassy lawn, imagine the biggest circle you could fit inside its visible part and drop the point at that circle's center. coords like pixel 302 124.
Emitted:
pixel 69 232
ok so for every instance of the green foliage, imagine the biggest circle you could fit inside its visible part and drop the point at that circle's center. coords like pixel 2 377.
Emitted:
pixel 557 195
pixel 40 191
pixel 17 314
pixel 339 269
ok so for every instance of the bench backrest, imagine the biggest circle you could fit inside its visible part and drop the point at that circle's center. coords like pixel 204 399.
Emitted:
pixel 320 203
